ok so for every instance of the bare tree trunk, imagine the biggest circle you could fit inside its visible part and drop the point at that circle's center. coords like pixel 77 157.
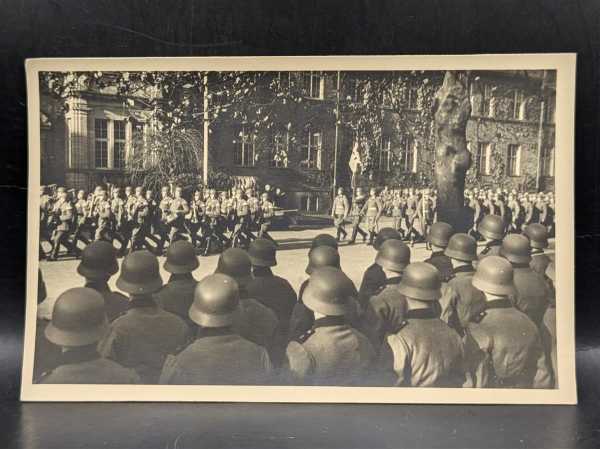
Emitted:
pixel 452 109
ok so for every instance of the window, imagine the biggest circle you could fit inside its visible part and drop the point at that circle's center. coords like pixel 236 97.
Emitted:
pixel 411 97
pixel 547 161
pixel 487 102
pixel 119 143
pixel 513 163
pixel 311 149
pixel 309 203
pixel 279 151
pixel 407 155
pixel 354 91
pixel 385 154
pixel 312 84
pixel 101 143
pixel 517 101
pixel 484 157
pixel 244 148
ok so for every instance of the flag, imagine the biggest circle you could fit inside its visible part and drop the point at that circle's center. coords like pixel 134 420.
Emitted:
pixel 354 161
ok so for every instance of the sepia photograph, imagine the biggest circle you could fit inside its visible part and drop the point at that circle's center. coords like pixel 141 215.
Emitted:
pixel 301 229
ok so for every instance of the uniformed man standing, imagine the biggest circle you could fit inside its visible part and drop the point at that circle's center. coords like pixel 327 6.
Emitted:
pixel 538 241
pixel 331 352
pixel 179 208
pixel 177 295
pixel 426 211
pixel 460 300
pixel 492 230
pixel 372 210
pixel 143 337
pixel 339 212
pixel 384 313
pixel 438 238
pixel 358 203
pixel 503 346
pixel 218 355
pixel 532 293
pixel 62 212
pixel 78 323
pixel 98 264
pixel 424 351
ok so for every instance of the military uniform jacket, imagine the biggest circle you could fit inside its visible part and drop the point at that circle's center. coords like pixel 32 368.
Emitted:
pixel 503 349
pixel 85 366
pixel 179 208
pixel 218 357
pixel 275 293
pixel 64 211
pixel 213 207
pixel 143 337
pixel 426 210
pixel 118 208
pixel 253 205
pixel 177 295
pixel 492 248
pixel 442 262
pixel 330 353
pixel 81 210
pixel 165 207
pixel 357 205
pixel 411 205
pixel 259 324
pixel 139 211
pixel 267 210
pixel 372 280
pixel 460 300
pixel 129 203
pixel 398 207
pixel 340 206
pixel 539 263
pixel 372 208
pixel 425 352
pixel 115 304
pixel 532 293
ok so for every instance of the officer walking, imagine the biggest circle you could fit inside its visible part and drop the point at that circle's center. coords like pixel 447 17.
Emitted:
pixel 78 323
pixel 177 295
pixel 218 354
pixel 98 264
pixel 424 351
pixel 143 337
pixel 438 238
pixel 62 213
pixel 358 203
pixel 331 352
pixel 339 212
pixel 372 209
pixel 504 349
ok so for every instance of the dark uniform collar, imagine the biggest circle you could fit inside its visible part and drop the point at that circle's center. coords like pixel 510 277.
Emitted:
pixel 437 253
pixel 213 331
pixel 464 269
pixel 79 355
pixel 329 321
pixel 420 314
pixel 394 280
pixel 181 277
pixel 503 303
pixel 262 272
pixel 141 301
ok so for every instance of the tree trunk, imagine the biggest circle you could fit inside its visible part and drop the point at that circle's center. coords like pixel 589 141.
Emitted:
pixel 452 109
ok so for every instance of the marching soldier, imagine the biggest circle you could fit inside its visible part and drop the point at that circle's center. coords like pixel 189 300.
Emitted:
pixel 426 211
pixel 179 208
pixel 412 203
pixel 504 349
pixel 45 219
pixel 218 355
pixel 104 217
pixel 384 313
pixel 532 293
pixel 398 212
pixel 130 200
pixel 331 352
pixel 339 212
pixel 119 233
pixel 358 203
pixel 516 216
pixel 424 351
pixel 146 334
pixel 213 211
pixel 266 215
pixel 194 220
pixel 78 323
pixel 241 228
pixel 164 208
pixel 177 295
pixel 62 215
pixel 548 328
pixel 98 264
pixel 254 206
pixel 270 290
pixel 372 209
pixel 80 219
pixel 538 241
pixel 532 213
pixel 475 207
pixel 461 301
pixel 491 229
pixel 153 220
pixel 438 239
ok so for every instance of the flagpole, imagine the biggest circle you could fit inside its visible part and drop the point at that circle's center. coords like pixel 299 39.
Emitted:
pixel 337 134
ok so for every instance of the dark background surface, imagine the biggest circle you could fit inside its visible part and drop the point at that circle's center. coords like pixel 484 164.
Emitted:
pixel 78 28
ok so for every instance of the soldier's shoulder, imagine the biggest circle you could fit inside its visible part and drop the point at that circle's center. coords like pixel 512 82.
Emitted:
pixel 303 338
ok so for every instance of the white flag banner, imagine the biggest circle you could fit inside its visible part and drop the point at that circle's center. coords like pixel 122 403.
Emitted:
pixel 354 161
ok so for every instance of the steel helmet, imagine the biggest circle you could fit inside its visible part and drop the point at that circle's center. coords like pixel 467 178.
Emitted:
pixel 235 262
pixel 515 249
pixel 492 227
pixel 385 234
pixel 181 258
pixel 78 318
pixel 462 247
pixel 216 300
pixel 328 292
pixel 393 255
pixel 550 272
pixel 537 234
pixel 494 275
pixel 421 281
pixel 322 256
pixel 440 234
pixel 262 253
pixel 139 274
pixel 98 261
pixel 324 240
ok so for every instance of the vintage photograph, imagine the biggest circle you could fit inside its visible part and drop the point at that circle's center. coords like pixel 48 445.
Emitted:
pixel 387 229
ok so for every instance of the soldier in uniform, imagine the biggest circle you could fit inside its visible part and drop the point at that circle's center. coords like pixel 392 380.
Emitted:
pixel 516 216
pixel 266 215
pixel 491 229
pixel 538 241
pixel 194 220
pixel 460 300
pixel 119 233
pixel 385 310
pixel 254 206
pixel 241 231
pixel 104 216
pixel 80 214
pixel 358 203
pixel 411 214
pixel 426 211
pixel 153 221
pixel 503 345
pixel 331 352
pixel 339 212
pixel 372 209
pixel 270 290
pixel 438 238
pixel 146 334
pixel 548 328
pixel 532 214
pixel 218 354
pixel 424 351
pixel 140 215
pixel 128 226
pixel 78 323
pixel 176 218
pixel 532 293
pixel 62 213
pixel 213 211
pixel 474 205
pixel 164 208
pixel 98 264
pixel 398 212
pixel 177 295
pixel 255 321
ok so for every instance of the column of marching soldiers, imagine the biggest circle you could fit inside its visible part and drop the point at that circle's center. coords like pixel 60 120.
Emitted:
pixel 465 317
